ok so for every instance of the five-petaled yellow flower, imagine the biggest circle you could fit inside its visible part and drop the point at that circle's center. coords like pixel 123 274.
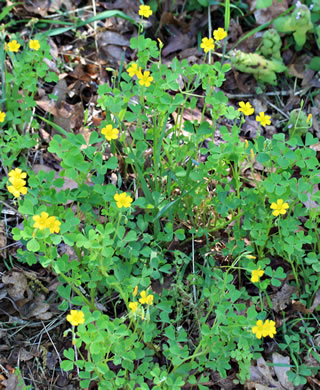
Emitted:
pixel 76 317
pixel 264 329
pixel 145 11
pixel 123 200
pixel 219 34
pixel 110 133
pixel 133 70
pixel 256 275
pixel 2 116
pixel 14 46
pixel 41 221
pixel 17 187
pixel 53 224
pixel 148 299
pixel 145 78
pixel 34 44
pixel 279 207
pixel 17 174
pixel 263 119
pixel 207 44
pixel 246 108
pixel 133 306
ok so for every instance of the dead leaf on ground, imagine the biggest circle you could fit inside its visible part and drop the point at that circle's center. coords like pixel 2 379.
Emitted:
pixel 16 285
pixel 262 375
pixel 264 15
pixel 281 371
pixel 37 308
pixel 282 298
pixel 14 382
pixel 299 306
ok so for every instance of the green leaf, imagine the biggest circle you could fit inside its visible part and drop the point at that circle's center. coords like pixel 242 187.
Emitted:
pixel 33 245
pixel 69 354
pixel 315 64
pixel 64 291
pixel 263 4
pixel 66 365
pixel 26 207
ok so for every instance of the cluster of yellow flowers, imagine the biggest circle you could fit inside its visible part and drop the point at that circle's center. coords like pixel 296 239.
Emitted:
pixel 247 110
pixel 43 221
pixel 144 78
pixel 76 317
pixel 17 182
pixel 207 44
pixel 13 46
pixel 145 299
pixel 264 329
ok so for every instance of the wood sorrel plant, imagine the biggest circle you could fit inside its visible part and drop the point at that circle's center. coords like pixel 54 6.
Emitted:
pixel 117 236
pixel 23 66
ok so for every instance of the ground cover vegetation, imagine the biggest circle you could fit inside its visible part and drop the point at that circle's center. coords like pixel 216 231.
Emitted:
pixel 163 230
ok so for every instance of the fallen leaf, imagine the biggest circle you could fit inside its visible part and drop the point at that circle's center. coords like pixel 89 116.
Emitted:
pixel 16 285
pixel 281 371
pixel 264 15
pixel 282 298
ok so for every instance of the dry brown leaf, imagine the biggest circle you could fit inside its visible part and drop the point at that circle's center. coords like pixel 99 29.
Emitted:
pixel 282 298
pixel 266 14
pixel 281 371
pixel 14 382
pixel 25 355
pixel 16 285
pixel 36 308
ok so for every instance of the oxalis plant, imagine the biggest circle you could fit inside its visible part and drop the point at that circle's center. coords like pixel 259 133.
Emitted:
pixel 147 307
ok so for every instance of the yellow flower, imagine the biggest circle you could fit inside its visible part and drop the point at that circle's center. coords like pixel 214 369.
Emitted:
pixel 16 174
pixel 207 44
pixel 256 275
pixel 53 224
pixel 133 306
pixel 250 257
pixel 34 44
pixel 41 221
pixel 269 328
pixel 135 291
pixel 76 317
pixel 219 34
pixel 17 187
pixel 14 46
pixel 246 143
pixel 252 153
pixel 148 299
pixel 246 108
pixel 145 11
pixel 145 78
pixel 279 207
pixel 309 118
pixel 123 200
pixel 258 329
pixel 2 116
pixel 133 70
pixel 110 133
pixel 263 119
